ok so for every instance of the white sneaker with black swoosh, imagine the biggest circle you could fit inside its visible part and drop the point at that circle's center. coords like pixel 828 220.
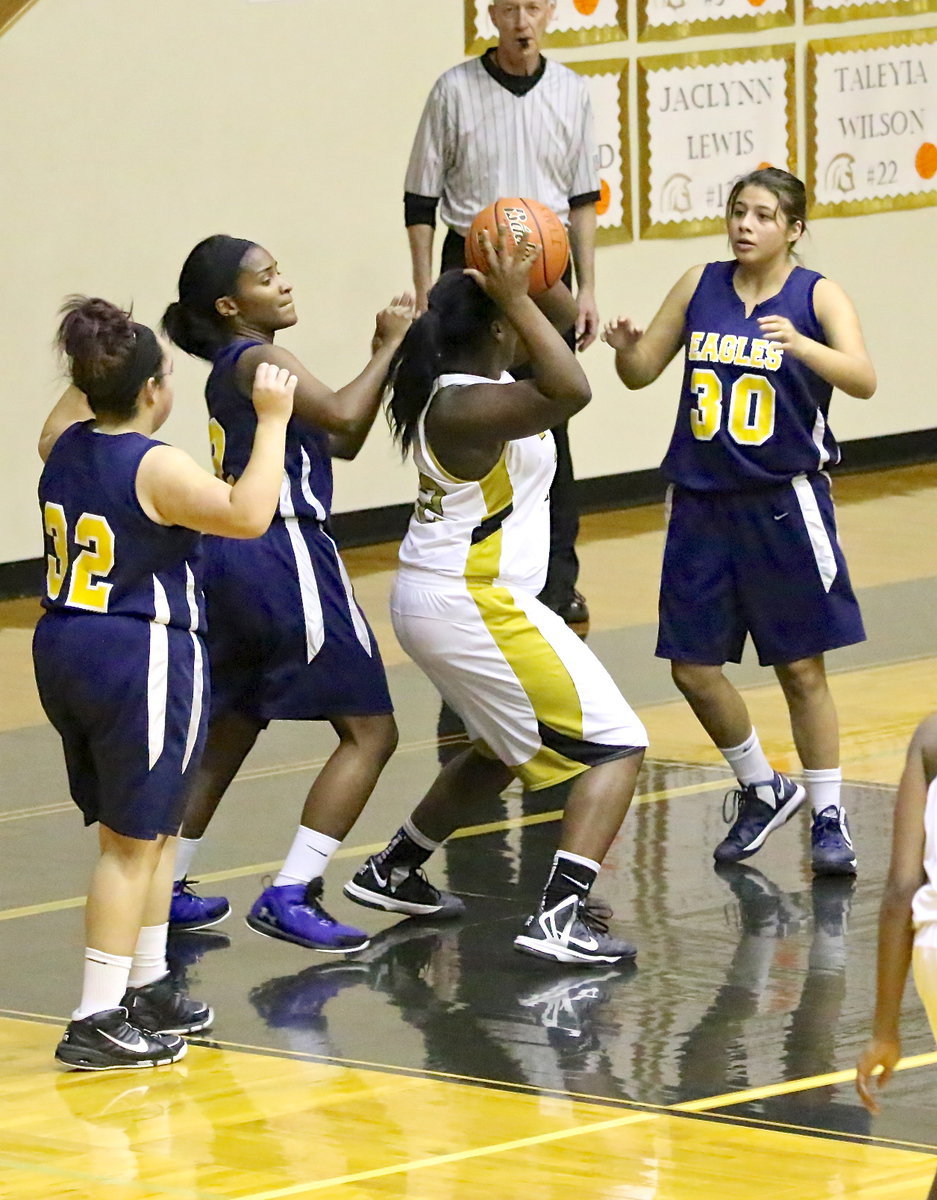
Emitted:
pixel 107 1041
pixel 573 931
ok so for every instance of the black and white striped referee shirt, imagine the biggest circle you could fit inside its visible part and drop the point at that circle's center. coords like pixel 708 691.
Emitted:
pixel 485 134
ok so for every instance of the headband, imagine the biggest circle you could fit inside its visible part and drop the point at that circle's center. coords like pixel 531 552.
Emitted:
pixel 213 273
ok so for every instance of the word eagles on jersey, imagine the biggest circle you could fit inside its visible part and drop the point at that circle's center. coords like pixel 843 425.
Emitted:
pixel 730 348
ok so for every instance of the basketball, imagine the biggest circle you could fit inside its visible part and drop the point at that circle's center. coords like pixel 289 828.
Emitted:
pixel 524 218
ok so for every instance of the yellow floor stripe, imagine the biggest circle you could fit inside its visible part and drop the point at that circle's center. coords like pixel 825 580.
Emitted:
pixel 439 1160
pixel 35 910
pixel 793 1085
pixel 632 1118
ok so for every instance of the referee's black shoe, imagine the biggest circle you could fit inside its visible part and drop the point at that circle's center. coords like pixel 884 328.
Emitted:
pixel 574 611
pixel 108 1041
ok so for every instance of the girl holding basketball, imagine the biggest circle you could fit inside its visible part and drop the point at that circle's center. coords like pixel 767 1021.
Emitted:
pixel 119 657
pixel 751 536
pixel 286 638
pixel 535 701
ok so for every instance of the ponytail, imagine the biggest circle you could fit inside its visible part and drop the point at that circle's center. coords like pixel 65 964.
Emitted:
pixel 413 370
pixel 458 320
pixel 197 334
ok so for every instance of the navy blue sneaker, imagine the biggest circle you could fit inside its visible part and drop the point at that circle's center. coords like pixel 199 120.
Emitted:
pixel 832 851
pixel 293 912
pixel 754 817
pixel 189 911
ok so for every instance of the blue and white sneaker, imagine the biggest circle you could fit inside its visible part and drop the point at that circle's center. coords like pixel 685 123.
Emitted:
pixel 573 931
pixel 754 817
pixel 832 851
pixel 293 912
pixel 189 911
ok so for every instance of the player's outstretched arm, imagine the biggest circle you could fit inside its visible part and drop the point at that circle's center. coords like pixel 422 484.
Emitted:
pixel 348 413
pixel 174 490
pixel 895 934
pixel 640 356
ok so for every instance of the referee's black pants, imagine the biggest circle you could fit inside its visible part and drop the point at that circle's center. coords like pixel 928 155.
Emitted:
pixel 563 569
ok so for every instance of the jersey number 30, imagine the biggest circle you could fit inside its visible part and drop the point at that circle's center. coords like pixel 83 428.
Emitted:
pixel 750 420
pixel 95 561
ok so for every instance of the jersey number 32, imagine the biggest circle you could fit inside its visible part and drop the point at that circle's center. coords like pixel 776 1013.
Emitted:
pixel 92 565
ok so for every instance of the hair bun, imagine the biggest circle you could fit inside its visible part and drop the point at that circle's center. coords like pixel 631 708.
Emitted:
pixel 95 328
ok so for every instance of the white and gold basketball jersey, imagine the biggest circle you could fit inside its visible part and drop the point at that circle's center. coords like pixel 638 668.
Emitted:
pixel 495 528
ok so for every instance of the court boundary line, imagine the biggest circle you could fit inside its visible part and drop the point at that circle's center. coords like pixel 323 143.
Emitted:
pixel 710 1107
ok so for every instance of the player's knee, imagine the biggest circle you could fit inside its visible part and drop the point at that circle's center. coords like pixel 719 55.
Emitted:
pixel 694 679
pixel 375 737
pixel 803 680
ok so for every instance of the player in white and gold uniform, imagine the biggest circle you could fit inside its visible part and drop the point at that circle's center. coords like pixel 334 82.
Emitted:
pixel 536 702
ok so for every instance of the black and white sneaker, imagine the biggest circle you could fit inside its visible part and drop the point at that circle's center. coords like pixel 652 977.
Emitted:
pixel 107 1041
pixel 401 890
pixel 573 931
pixel 160 1007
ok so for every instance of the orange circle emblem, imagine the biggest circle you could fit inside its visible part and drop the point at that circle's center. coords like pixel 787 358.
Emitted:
pixel 605 198
pixel 588 7
pixel 925 161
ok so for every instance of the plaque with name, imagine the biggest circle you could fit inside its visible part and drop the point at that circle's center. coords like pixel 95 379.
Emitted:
pixel 705 119
pixel 575 23
pixel 607 84
pixel 872 123
pixel 669 19
pixel 855 10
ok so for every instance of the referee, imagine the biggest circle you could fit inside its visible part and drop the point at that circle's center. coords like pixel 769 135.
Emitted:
pixel 512 123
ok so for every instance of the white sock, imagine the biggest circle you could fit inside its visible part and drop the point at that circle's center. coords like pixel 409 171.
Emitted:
pixel 308 857
pixel 748 761
pixel 149 958
pixel 185 853
pixel 824 787
pixel 104 982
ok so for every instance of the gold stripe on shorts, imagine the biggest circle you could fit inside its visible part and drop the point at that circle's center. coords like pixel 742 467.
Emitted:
pixel 543 676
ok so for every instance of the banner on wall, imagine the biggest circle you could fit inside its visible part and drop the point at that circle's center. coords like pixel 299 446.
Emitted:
pixel 872 123
pixel 855 10
pixel 704 120
pixel 575 23
pixel 665 19
pixel 607 84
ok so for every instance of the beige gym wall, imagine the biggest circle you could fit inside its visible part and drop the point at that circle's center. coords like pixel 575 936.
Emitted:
pixel 130 129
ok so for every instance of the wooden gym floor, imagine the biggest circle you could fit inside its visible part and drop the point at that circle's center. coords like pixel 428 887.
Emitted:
pixel 440 1064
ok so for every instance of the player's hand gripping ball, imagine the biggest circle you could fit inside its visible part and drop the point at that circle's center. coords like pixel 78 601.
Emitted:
pixel 525 219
